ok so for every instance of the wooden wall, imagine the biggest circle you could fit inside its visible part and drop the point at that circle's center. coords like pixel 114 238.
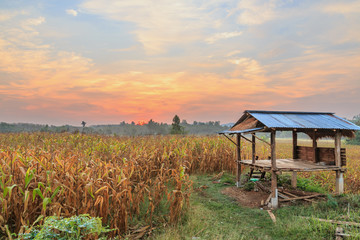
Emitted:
pixel 324 155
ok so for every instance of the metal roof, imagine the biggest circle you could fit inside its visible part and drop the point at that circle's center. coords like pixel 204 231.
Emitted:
pixel 302 120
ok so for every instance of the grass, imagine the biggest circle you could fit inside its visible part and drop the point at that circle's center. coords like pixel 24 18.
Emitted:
pixel 213 215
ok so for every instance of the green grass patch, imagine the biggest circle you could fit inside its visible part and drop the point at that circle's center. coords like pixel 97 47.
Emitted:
pixel 213 215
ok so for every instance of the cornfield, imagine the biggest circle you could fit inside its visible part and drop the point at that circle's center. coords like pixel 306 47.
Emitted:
pixel 116 178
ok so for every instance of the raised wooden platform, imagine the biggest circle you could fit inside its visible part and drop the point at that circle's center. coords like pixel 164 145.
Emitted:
pixel 290 165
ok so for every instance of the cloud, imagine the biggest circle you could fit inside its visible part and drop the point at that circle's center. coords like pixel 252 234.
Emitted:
pixel 342 7
pixel 35 21
pixel 247 67
pixel 254 12
pixel 278 65
pixel 223 35
pixel 7 14
pixel 158 24
pixel 72 12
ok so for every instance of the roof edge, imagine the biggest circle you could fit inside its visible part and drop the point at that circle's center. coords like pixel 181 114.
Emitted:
pixel 242 131
pixel 286 112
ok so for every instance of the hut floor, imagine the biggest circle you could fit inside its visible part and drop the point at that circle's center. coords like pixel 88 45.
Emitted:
pixel 297 165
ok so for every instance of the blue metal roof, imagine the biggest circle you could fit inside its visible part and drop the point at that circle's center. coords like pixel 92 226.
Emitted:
pixel 302 120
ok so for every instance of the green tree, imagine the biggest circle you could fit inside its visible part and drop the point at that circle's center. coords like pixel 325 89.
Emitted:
pixel 175 126
pixel 355 140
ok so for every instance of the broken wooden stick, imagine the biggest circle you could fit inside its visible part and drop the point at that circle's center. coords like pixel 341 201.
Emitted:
pixel 218 176
pixel 334 221
pixel 339 233
pixel 272 216
pixel 293 195
pixel 267 200
pixel 302 197
pixel 262 187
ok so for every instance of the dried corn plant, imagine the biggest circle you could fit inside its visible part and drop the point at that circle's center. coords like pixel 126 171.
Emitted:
pixel 43 174
pixel 47 174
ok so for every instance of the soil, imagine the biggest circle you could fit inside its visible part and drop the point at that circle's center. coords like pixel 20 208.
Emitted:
pixel 245 198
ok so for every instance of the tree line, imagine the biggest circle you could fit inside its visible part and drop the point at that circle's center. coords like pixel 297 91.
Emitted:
pixel 178 126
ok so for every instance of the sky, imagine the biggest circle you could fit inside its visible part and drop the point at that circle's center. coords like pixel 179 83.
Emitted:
pixel 107 61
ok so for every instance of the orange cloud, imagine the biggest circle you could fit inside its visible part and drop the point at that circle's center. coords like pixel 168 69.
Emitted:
pixel 39 79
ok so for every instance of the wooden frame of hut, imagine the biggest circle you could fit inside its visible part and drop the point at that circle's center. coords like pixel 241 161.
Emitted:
pixel 305 159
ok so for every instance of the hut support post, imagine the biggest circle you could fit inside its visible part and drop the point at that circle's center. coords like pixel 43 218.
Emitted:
pixel 274 190
pixel 294 179
pixel 339 185
pixel 314 147
pixel 294 174
pixel 253 148
pixel 238 154
pixel 294 135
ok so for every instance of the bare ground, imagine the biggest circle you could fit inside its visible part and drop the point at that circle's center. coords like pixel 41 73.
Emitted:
pixel 245 198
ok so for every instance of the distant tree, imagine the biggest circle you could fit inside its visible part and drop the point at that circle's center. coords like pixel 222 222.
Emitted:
pixel 175 126
pixel 355 140
pixel 184 122
pixel 83 123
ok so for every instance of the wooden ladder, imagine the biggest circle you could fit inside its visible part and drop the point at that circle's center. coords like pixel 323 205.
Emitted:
pixel 258 175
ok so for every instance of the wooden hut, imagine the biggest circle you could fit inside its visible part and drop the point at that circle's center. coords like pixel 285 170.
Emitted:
pixel 315 124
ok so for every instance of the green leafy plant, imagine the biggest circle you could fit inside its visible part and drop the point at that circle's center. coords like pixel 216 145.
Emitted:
pixel 309 185
pixel 249 186
pixel 284 180
pixel 75 227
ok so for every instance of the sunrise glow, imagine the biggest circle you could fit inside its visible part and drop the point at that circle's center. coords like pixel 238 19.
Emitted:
pixel 107 61
pixel 141 122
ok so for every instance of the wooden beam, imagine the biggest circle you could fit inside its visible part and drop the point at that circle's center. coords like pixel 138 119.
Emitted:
pixel 246 138
pixel 293 195
pixel 274 190
pixel 238 154
pixel 339 184
pixel 273 149
pixel 302 197
pixel 294 135
pixel 261 139
pixel 314 147
pixel 230 139
pixel 294 179
pixel 253 148
pixel 338 148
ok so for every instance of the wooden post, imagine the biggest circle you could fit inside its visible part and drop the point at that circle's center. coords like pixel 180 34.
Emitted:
pixel 238 154
pixel 338 148
pixel 274 190
pixel 253 149
pixel 294 179
pixel 273 148
pixel 314 147
pixel 339 185
pixel 294 135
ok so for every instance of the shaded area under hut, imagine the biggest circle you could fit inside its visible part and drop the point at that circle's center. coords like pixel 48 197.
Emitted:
pixel 315 124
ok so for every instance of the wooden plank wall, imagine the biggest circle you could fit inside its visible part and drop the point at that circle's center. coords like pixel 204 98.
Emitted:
pixel 325 155
pixel 305 153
